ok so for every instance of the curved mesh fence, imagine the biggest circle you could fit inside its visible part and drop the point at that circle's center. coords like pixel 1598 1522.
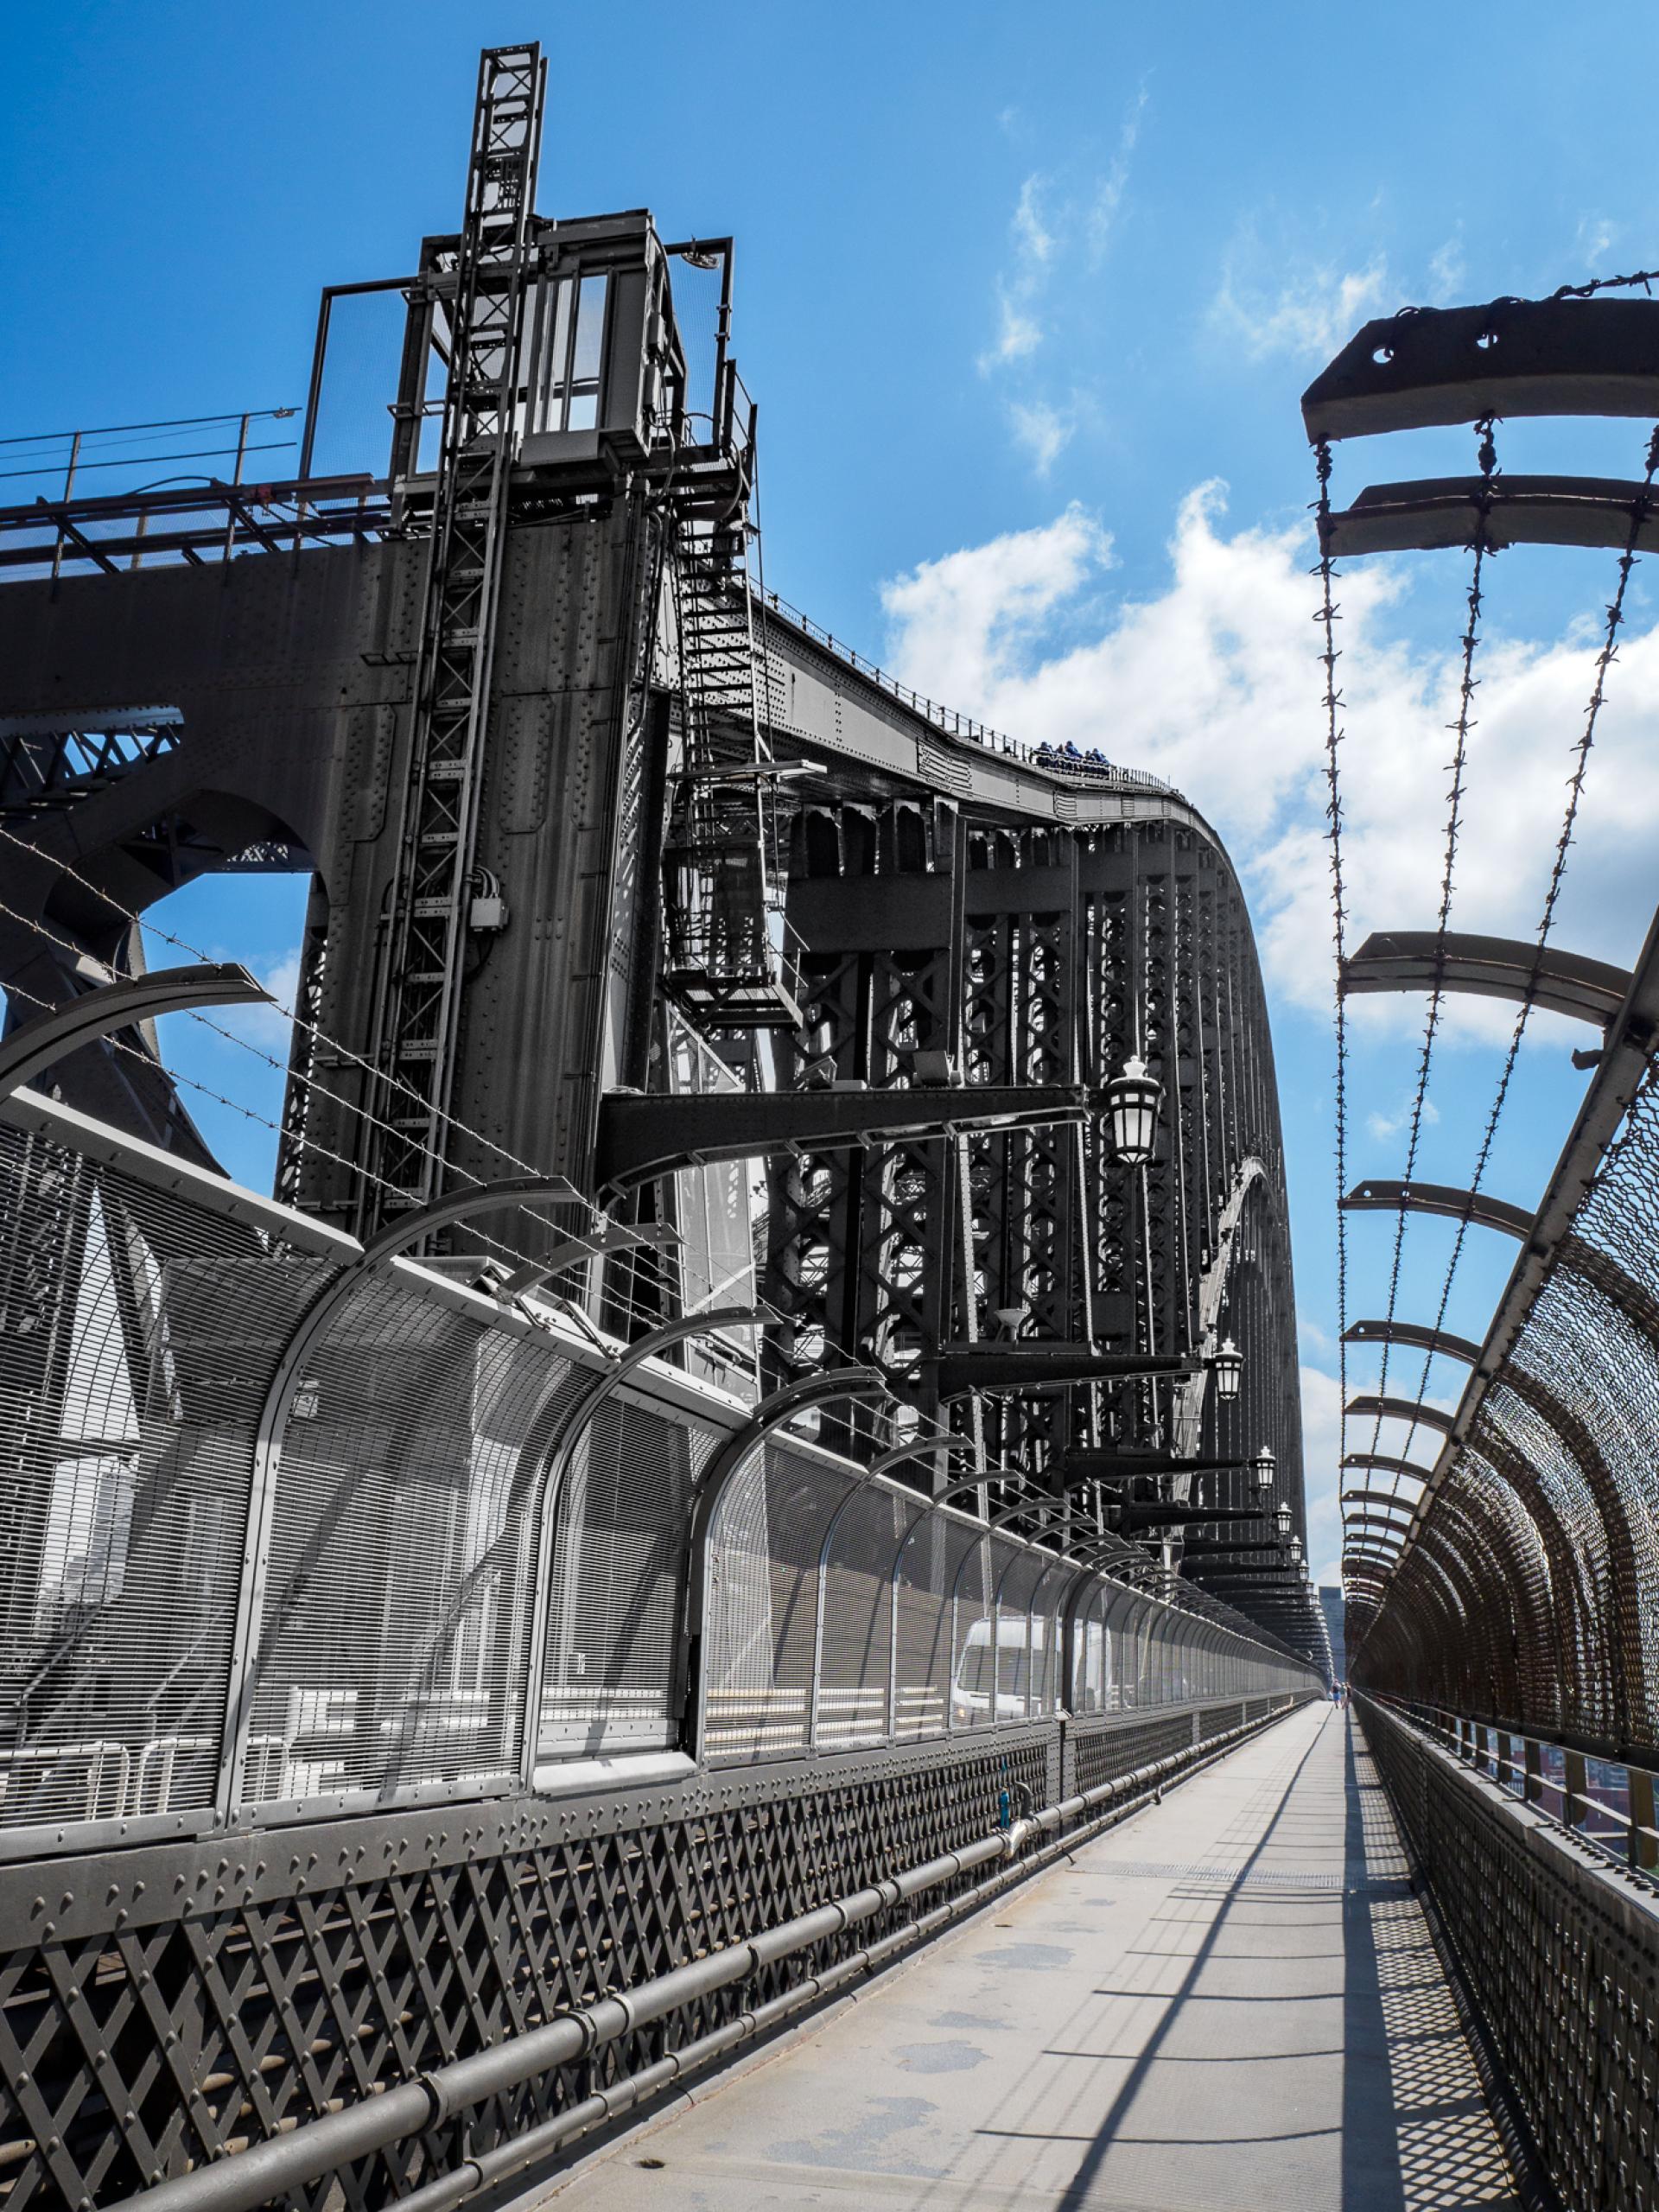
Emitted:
pixel 139 1333
pixel 1529 1594
pixel 924 1622
pixel 286 1533
pixel 612 1670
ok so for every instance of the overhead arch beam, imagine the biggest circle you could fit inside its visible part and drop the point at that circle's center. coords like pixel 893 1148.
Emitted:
pixel 1513 357
pixel 1388 1499
pixel 1407 1409
pixel 1416 1336
pixel 1487 967
pixel 49 1037
pixel 1365 1531
pixel 1379 1463
pixel 1440 512
pixel 1375 1196
pixel 1369 1554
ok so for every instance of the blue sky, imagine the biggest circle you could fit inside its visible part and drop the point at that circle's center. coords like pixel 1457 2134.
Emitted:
pixel 1027 297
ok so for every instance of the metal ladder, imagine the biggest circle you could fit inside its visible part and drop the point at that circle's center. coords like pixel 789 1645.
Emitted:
pixel 428 910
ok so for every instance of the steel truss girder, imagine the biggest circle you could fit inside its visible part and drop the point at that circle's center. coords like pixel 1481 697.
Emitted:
pixel 1022 955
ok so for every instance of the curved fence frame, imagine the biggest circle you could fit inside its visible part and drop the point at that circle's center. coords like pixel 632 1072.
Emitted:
pixel 455 1543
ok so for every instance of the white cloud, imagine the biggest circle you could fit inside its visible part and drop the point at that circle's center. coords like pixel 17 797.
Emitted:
pixel 1212 683
pixel 267 1028
pixel 1596 237
pixel 1446 272
pixel 1389 1123
pixel 1031 234
pixel 972 619
pixel 1309 317
pixel 1018 332
pixel 1051 220
pixel 1042 430
pixel 1108 199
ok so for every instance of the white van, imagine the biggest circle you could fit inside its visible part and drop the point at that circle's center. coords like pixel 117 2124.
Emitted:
pixel 1020 1648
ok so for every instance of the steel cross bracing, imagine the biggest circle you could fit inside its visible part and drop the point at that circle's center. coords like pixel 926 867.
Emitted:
pixel 930 936
pixel 429 903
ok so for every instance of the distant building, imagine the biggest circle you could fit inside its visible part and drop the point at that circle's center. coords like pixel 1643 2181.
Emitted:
pixel 1330 1607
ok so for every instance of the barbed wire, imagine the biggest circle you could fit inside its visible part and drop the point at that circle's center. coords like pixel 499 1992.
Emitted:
pixel 292 1134
pixel 311 1029
pixel 1647 278
pixel 1329 615
pixel 1581 748
pixel 1467 685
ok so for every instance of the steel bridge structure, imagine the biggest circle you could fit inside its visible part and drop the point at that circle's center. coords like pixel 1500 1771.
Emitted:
pixel 762 1409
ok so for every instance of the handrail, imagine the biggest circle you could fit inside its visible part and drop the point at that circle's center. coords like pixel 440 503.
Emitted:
pixel 950 723
pixel 1547 1768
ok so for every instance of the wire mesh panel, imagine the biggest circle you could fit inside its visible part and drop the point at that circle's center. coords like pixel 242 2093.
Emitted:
pixel 973 1693
pixel 1018 1645
pixel 855 1629
pixel 138 1336
pixel 1092 1678
pixel 762 1604
pixel 391 1641
pixel 924 1577
pixel 1529 1591
pixel 612 1669
pixel 1047 1631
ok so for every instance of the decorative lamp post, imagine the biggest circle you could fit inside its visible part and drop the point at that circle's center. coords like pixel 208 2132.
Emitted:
pixel 1263 1470
pixel 1283 1518
pixel 1227 1365
pixel 1132 1112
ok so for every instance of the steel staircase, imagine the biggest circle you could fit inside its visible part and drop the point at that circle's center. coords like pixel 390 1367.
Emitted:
pixel 723 879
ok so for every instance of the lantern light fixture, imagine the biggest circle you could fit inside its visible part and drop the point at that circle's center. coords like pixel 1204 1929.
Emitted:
pixel 1283 1518
pixel 1262 1466
pixel 1132 1112
pixel 1227 1365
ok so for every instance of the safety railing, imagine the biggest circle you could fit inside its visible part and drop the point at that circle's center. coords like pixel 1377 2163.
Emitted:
pixel 1608 1804
pixel 1555 1945
pixel 1092 770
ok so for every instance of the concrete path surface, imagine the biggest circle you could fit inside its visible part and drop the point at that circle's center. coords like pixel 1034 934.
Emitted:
pixel 1230 2002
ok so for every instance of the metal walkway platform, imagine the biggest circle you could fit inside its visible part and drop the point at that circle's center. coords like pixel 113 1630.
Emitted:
pixel 1231 2001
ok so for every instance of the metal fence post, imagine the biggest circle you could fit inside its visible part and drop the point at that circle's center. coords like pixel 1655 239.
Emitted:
pixel 1577 1790
pixel 1643 1842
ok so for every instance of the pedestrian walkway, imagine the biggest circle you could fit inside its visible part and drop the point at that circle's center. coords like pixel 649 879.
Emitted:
pixel 1229 2004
